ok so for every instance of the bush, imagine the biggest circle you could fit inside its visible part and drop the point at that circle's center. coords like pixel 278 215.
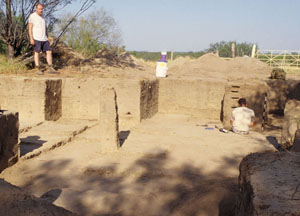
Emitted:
pixel 3 49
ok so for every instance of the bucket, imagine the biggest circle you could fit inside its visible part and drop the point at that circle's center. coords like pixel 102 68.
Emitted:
pixel 161 69
pixel 163 57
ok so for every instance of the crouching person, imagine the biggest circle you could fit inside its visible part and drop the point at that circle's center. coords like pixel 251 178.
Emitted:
pixel 242 118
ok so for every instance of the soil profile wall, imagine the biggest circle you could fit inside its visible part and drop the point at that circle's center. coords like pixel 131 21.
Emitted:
pixel 9 139
pixel 33 98
pixel 199 98
pixel 268 184
pixel 253 92
pixel 81 98
pixel 279 92
pixel 149 98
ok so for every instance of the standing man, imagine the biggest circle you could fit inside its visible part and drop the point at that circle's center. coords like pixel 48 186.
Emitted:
pixel 39 39
pixel 242 118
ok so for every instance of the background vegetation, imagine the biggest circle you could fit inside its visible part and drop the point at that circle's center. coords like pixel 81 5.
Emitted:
pixel 155 56
pixel 223 47
pixel 91 33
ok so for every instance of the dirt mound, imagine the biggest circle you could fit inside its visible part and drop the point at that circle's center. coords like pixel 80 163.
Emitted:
pixel 179 62
pixel 246 67
pixel 212 66
pixel 64 56
pixel 208 65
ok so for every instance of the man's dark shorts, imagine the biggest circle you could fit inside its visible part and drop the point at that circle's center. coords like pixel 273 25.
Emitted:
pixel 41 46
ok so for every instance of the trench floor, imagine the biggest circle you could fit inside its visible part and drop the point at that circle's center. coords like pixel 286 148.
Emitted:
pixel 168 165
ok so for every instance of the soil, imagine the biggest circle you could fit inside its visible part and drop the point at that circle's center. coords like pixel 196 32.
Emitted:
pixel 161 169
pixel 210 65
pixel 106 63
pixel 168 165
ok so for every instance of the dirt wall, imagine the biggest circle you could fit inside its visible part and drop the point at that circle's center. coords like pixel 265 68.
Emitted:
pixel 279 92
pixel 199 98
pixel 81 97
pixel 9 139
pixel 254 92
pixel 149 98
pixel 268 184
pixel 31 97
pixel 53 100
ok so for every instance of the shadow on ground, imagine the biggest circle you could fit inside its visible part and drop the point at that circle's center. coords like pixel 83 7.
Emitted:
pixel 30 143
pixel 147 187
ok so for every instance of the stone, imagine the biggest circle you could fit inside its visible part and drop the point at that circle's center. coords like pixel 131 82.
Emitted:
pixel 9 139
pixel 109 120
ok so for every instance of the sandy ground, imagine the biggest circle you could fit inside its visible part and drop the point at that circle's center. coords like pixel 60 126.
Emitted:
pixel 168 165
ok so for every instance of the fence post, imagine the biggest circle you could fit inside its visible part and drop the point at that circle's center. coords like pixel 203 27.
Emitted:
pixel 253 51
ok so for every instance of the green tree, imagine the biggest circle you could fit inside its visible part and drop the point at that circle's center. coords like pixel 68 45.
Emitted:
pixel 2 48
pixel 224 48
pixel 14 15
pixel 90 33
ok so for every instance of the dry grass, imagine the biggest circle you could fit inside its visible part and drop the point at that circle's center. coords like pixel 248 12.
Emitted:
pixel 11 66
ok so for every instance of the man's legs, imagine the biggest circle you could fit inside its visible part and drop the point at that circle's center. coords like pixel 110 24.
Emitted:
pixel 49 57
pixel 37 50
pixel 37 63
pixel 37 59
pixel 46 47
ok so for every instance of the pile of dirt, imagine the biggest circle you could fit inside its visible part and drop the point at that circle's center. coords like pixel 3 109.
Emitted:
pixel 208 65
pixel 246 67
pixel 212 66
pixel 179 62
pixel 66 57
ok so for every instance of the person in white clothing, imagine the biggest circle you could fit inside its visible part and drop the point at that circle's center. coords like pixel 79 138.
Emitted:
pixel 242 118
pixel 39 38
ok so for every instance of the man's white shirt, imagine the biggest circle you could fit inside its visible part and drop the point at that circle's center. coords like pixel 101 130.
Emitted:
pixel 242 117
pixel 39 27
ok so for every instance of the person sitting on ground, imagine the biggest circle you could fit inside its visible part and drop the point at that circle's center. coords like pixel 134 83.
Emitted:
pixel 39 39
pixel 242 118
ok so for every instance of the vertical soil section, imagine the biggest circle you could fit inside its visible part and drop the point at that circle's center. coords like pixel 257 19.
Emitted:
pixel 149 98
pixel 9 139
pixel 53 102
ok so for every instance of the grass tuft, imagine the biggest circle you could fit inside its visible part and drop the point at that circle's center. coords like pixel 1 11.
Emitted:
pixel 11 66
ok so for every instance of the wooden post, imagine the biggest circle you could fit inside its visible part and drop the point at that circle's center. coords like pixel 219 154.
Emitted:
pixel 172 55
pixel 253 51
pixel 233 50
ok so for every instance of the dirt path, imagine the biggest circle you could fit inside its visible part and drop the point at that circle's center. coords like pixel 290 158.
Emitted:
pixel 168 165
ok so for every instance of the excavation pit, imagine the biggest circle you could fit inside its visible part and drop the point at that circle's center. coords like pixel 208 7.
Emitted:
pixel 167 155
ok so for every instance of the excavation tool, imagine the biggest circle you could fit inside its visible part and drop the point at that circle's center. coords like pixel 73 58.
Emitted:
pixel 264 115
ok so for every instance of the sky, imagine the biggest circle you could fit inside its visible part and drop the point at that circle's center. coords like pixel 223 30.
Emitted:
pixel 192 25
